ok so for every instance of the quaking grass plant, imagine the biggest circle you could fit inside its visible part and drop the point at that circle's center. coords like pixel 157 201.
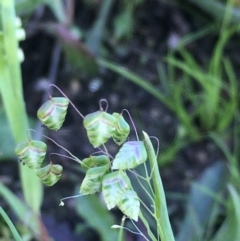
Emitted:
pixel 105 173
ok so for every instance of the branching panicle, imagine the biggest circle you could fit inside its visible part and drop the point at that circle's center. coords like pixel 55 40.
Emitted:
pixel 102 174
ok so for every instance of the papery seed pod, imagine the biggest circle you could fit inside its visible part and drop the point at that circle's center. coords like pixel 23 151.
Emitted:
pixel 114 185
pixel 95 161
pixel 52 113
pixel 131 154
pixel 50 174
pixel 122 129
pixel 31 153
pixel 130 204
pixel 92 182
pixel 100 127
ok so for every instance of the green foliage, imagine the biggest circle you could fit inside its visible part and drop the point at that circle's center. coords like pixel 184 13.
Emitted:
pixel 160 206
pixel 7 143
pixel 210 90
pixel 12 94
pixel 208 100
pixel 204 203
pixel 24 7
pixel 10 224
pixel 21 209
pixel 216 95
pixel 218 8
pixel 229 230
pixel 122 30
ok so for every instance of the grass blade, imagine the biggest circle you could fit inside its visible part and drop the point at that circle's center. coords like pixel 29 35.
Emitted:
pixel 202 198
pixel 12 95
pixel 161 210
pixel 10 225
pixel 22 211
pixel 230 228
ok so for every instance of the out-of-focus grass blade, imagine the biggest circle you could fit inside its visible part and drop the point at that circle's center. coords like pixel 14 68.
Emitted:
pixel 77 53
pixel 217 9
pixel 230 229
pixel 12 96
pixel 26 6
pixel 57 7
pixel 202 199
pixel 10 225
pixel 97 32
pixel 6 143
pixel 97 216
pixel 22 211
pixel 142 83
pixel 190 38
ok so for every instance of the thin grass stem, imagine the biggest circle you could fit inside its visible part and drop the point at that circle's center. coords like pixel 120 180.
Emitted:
pixel 162 217
pixel 75 108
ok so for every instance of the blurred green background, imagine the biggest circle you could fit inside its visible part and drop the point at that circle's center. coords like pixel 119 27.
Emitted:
pixel 173 64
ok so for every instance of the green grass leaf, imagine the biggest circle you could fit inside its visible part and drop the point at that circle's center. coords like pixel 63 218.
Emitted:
pixel 202 199
pixel 230 228
pixel 21 210
pixel 12 96
pixel 10 225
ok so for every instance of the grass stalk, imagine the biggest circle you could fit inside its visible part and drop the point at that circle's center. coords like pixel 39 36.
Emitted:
pixel 161 210
pixel 12 96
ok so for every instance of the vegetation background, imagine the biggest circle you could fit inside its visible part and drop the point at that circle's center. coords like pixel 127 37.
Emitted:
pixel 175 66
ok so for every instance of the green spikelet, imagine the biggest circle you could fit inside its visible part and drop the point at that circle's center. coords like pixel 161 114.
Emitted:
pixel 92 182
pixel 52 113
pixel 95 161
pixel 114 185
pixel 31 153
pixel 100 127
pixel 131 154
pixel 50 174
pixel 130 204
pixel 122 129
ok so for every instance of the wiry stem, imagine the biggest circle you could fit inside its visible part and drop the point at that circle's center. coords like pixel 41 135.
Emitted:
pixel 134 127
pixel 75 108
pixel 100 104
pixel 74 157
